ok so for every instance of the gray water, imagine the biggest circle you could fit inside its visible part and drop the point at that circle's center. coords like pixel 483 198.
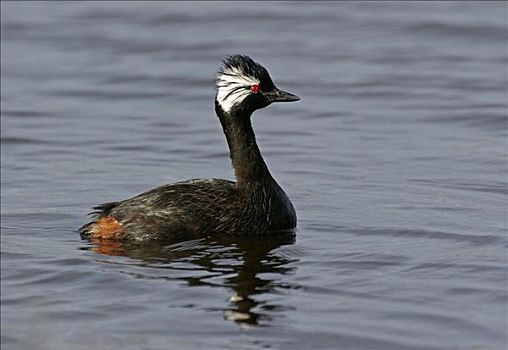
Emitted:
pixel 395 159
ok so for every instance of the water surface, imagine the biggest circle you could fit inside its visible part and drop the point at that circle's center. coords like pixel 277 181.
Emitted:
pixel 395 159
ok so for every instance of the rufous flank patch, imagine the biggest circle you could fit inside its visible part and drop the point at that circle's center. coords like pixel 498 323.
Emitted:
pixel 107 227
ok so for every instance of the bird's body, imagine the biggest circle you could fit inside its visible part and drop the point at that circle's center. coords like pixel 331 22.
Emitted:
pixel 254 205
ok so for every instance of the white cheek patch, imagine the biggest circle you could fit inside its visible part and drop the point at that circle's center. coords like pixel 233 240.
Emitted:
pixel 233 87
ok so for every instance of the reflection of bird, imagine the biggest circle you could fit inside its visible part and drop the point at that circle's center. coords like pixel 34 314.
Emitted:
pixel 255 204
pixel 260 274
pixel 257 271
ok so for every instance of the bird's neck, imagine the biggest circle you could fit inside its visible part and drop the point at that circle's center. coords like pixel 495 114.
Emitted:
pixel 250 168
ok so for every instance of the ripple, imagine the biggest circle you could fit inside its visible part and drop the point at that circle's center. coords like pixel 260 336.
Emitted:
pixel 15 140
pixel 484 32
pixel 106 95
pixel 478 240
pixel 496 188
pixel 19 113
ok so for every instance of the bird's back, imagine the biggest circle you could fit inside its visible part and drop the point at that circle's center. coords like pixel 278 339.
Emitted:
pixel 182 207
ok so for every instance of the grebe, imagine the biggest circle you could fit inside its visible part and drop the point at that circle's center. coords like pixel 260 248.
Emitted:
pixel 254 205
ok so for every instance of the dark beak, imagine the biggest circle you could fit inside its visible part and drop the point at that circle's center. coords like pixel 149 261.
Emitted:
pixel 277 95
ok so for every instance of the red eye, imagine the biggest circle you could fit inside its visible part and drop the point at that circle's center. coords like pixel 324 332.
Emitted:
pixel 255 88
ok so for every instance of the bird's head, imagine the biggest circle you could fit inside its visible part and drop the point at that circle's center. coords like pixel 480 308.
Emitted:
pixel 245 85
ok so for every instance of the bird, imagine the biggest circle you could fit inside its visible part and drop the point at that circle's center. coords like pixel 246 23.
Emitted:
pixel 253 205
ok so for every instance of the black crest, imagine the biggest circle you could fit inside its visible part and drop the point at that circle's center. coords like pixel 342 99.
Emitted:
pixel 233 64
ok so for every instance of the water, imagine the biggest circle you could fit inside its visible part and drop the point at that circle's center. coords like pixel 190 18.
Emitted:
pixel 395 159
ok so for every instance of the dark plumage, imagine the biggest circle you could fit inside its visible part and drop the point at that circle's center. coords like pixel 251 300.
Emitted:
pixel 254 205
